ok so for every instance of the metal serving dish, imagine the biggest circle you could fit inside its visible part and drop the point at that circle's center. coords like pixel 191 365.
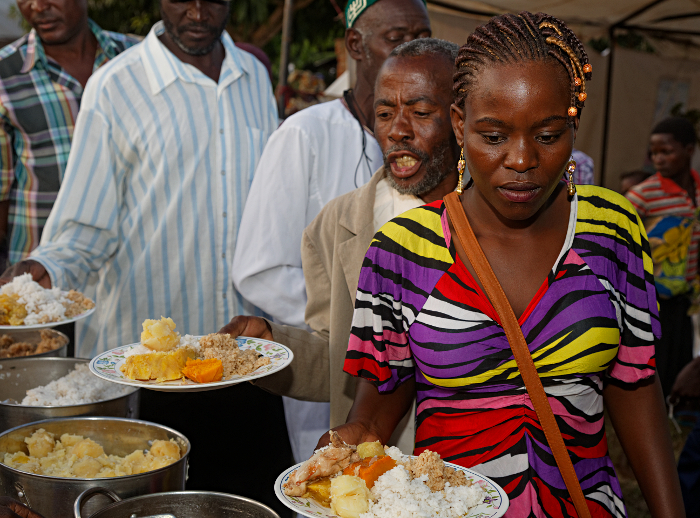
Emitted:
pixel 17 375
pixel 33 336
pixel 182 504
pixel 54 496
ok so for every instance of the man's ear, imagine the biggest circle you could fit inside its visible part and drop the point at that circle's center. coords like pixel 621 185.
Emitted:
pixel 353 43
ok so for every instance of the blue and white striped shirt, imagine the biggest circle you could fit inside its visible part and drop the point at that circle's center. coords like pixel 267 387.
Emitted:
pixel 158 174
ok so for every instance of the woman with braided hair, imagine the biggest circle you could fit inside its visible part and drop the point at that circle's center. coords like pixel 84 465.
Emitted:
pixel 574 265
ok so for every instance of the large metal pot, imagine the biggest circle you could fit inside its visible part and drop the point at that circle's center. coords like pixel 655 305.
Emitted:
pixel 33 336
pixel 182 504
pixel 54 496
pixel 17 375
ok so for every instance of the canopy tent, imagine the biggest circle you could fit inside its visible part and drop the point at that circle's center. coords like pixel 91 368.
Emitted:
pixel 631 90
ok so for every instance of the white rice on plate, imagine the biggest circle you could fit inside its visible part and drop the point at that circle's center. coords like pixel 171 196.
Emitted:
pixel 42 305
pixel 78 387
pixel 399 496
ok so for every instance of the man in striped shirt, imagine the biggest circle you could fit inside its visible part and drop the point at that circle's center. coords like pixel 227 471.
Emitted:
pixel 668 204
pixel 42 76
pixel 165 147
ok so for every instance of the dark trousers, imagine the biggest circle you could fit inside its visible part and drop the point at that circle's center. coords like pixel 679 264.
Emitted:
pixel 238 436
pixel 675 349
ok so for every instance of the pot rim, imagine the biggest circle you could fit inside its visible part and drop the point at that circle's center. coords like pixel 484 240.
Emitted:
pixel 189 492
pixel 183 458
pixel 53 359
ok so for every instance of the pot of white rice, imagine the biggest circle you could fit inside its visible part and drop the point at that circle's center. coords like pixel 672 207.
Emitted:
pixel 33 389
pixel 54 496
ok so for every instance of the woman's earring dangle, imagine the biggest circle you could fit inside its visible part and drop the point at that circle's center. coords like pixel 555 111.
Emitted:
pixel 461 165
pixel 571 168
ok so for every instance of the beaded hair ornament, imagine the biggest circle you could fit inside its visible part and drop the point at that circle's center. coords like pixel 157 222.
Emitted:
pixel 511 38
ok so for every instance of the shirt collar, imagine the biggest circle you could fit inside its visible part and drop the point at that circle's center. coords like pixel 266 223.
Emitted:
pixel 163 68
pixel 35 49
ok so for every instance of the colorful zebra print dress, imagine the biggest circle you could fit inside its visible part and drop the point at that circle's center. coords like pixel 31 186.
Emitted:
pixel 419 313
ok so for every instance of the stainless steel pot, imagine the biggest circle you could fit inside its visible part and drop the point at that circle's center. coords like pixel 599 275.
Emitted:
pixel 17 375
pixel 54 496
pixel 33 336
pixel 182 504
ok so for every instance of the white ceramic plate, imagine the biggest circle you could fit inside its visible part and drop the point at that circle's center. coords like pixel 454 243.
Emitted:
pixel 107 366
pixel 49 324
pixel 494 505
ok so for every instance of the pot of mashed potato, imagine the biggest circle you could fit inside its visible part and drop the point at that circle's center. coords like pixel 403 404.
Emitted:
pixel 48 464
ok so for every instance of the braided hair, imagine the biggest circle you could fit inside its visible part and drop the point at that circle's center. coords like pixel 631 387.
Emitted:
pixel 512 38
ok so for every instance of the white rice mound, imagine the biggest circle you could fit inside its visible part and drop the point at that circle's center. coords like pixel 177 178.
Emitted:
pixel 187 340
pixel 396 495
pixel 42 305
pixel 78 387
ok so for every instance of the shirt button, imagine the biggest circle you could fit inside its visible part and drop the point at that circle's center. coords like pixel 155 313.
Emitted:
pixel 221 131
pixel 223 256
pixel 224 214
pixel 224 295
pixel 223 172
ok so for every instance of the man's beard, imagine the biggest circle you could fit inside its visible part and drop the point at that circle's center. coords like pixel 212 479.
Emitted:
pixel 173 32
pixel 436 169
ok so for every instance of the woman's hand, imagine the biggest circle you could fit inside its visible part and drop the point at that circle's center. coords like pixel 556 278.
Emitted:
pixel 10 508
pixel 374 416
pixel 253 327
pixel 351 433
pixel 639 416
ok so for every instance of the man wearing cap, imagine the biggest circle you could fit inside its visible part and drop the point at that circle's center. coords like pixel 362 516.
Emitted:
pixel 165 146
pixel 413 100
pixel 317 154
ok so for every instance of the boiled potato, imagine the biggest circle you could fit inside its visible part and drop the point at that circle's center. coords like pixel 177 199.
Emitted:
pixel 370 449
pixel 349 496
pixel 136 462
pixel 87 467
pixel 162 448
pixel 40 444
pixel 87 448
pixel 160 335
pixel 69 440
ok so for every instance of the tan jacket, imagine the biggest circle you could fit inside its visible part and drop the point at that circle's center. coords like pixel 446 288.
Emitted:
pixel 333 248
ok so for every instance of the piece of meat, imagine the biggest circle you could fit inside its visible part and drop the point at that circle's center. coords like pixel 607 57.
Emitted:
pixel 323 463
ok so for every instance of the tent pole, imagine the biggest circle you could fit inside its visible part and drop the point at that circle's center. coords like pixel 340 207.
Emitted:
pixel 287 18
pixel 608 105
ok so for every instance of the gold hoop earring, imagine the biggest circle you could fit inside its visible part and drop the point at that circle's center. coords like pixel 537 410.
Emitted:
pixel 571 168
pixel 461 165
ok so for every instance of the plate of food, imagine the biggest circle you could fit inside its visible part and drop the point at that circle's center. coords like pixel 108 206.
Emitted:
pixel 24 304
pixel 166 361
pixel 374 481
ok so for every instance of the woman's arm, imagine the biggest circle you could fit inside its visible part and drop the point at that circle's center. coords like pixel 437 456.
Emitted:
pixel 639 417
pixel 374 416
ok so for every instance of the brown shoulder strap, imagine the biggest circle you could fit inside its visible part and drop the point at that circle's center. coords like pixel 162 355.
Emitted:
pixel 521 352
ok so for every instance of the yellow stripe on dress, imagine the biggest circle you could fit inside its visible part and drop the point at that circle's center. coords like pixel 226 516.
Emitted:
pixel 588 364
pixel 413 242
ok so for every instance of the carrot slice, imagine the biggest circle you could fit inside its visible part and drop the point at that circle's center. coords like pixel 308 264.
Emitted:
pixel 204 371
pixel 370 469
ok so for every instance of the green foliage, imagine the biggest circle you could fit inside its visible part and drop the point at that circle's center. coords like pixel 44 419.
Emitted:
pixel 314 31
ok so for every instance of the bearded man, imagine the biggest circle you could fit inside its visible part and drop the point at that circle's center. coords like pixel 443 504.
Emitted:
pixel 165 147
pixel 412 102
pixel 317 154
